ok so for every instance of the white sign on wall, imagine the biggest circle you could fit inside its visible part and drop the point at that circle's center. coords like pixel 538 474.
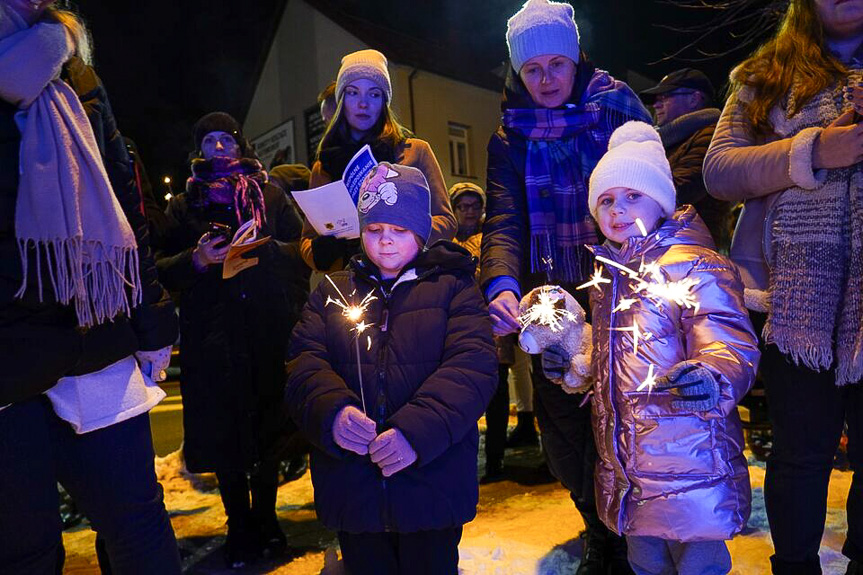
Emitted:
pixel 268 144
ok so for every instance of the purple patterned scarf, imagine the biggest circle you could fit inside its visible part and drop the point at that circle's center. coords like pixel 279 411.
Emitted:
pixel 564 145
pixel 229 181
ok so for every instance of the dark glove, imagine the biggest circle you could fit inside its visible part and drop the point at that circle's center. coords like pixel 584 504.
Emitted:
pixel 555 362
pixel 327 249
pixel 696 386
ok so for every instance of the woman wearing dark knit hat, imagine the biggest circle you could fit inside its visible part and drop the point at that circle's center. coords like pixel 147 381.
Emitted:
pixel 364 116
pixel 558 114
pixel 234 331
pixel 82 316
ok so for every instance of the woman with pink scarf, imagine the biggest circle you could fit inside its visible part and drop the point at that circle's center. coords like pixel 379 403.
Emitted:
pixel 85 327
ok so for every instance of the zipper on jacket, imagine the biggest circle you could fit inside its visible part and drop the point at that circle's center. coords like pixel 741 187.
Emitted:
pixel 611 392
pixel 380 409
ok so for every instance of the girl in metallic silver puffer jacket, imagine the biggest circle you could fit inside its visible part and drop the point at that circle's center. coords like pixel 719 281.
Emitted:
pixel 674 351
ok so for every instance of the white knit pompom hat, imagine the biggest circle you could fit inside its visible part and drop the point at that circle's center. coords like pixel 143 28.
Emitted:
pixel 367 64
pixel 635 160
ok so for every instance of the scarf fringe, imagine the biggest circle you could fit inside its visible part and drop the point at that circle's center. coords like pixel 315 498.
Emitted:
pixel 801 348
pixel 103 282
pixel 850 368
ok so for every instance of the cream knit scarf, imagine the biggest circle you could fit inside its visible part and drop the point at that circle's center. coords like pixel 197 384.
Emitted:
pixel 68 221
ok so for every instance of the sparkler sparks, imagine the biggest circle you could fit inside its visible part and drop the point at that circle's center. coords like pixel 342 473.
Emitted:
pixel 641 227
pixel 544 311
pixel 595 280
pixel 632 273
pixel 679 292
pixel 650 380
pixel 354 314
pixel 624 305
pixel 637 334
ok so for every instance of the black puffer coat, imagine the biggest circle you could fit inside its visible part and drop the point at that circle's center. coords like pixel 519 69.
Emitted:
pixel 429 370
pixel 233 333
pixel 40 341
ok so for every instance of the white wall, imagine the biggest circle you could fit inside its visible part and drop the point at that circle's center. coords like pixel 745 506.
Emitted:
pixel 305 57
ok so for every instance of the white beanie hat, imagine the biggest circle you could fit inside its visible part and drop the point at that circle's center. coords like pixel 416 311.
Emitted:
pixel 540 28
pixel 635 160
pixel 368 65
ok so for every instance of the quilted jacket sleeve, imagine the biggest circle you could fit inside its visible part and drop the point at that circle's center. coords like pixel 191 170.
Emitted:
pixel 315 393
pixel 503 233
pixel 718 333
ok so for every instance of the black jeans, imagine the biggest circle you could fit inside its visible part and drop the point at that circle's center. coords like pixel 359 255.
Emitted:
pixel 497 417
pixel 807 411
pixel 567 437
pixel 423 552
pixel 110 475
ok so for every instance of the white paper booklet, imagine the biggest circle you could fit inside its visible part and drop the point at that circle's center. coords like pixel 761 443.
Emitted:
pixel 332 208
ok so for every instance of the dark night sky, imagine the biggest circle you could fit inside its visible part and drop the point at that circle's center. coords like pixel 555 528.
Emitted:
pixel 167 63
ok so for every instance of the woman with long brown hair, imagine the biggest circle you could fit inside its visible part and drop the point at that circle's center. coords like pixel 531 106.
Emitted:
pixel 85 327
pixel 789 145
pixel 364 116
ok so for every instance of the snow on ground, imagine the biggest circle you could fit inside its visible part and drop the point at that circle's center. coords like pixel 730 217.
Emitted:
pixel 524 526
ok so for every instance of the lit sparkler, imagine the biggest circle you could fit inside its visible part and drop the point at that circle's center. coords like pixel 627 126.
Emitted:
pixel 354 313
pixel 544 311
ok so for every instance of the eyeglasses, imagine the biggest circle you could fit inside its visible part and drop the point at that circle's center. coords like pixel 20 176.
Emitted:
pixel 668 95
pixel 463 207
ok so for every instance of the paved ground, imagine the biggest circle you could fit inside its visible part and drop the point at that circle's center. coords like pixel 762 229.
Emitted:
pixel 524 525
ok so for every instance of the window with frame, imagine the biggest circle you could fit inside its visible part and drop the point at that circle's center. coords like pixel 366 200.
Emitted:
pixel 459 149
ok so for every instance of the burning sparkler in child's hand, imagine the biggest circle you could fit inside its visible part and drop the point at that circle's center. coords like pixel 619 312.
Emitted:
pixel 354 314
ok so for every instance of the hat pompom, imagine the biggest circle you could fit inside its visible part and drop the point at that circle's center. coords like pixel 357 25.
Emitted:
pixel 634 131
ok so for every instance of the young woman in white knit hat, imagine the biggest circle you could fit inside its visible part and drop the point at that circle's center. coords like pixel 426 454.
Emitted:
pixel 364 116
pixel 674 351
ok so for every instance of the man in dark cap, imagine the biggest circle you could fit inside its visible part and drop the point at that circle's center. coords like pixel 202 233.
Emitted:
pixel 686 118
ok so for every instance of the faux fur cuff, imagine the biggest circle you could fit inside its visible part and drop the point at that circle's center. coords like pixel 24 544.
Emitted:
pixel 756 300
pixel 800 159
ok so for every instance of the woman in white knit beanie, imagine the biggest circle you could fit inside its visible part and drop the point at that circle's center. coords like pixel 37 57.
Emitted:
pixel 364 115
pixel 558 112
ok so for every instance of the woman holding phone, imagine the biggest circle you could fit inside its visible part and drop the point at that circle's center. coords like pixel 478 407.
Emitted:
pixel 234 331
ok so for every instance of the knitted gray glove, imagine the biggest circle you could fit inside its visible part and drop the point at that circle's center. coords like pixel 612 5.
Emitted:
pixel 696 386
pixel 555 362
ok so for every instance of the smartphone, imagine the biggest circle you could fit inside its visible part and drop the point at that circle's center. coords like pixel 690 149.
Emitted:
pixel 220 231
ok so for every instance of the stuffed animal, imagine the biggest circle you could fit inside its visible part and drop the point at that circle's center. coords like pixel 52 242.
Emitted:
pixel 549 316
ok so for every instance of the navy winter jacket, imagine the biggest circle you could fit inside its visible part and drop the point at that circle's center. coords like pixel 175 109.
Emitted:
pixel 429 369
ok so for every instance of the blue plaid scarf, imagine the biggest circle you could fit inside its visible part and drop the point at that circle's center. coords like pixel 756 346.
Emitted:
pixel 563 147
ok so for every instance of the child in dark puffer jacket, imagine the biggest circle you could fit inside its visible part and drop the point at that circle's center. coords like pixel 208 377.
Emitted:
pixel 394 458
